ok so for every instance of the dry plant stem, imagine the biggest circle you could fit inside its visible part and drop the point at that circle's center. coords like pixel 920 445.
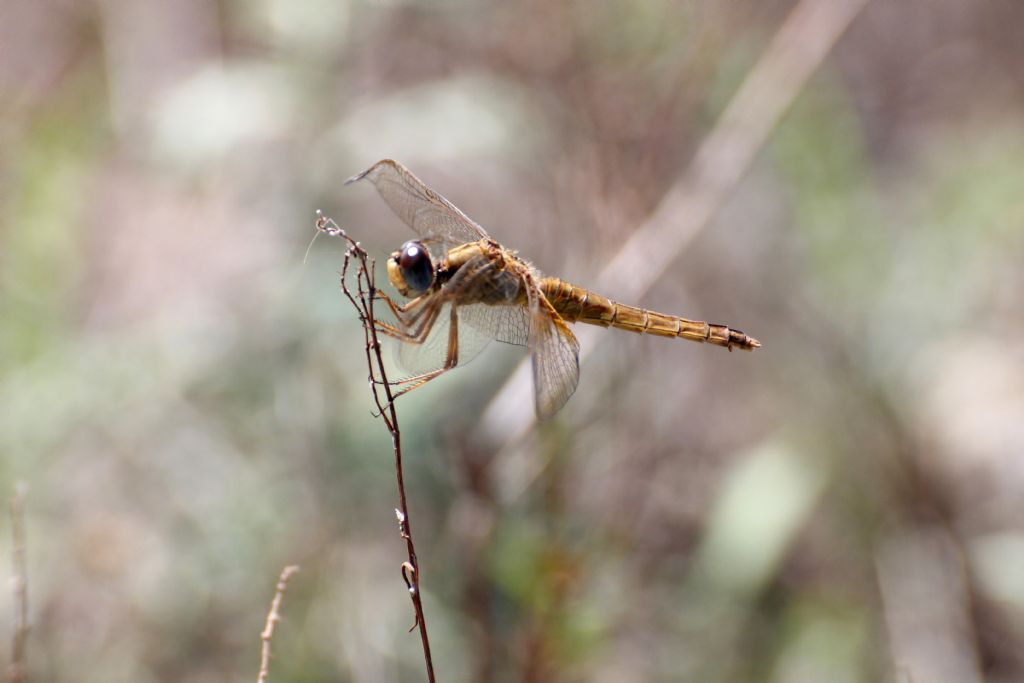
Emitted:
pixel 362 299
pixel 19 586
pixel 273 616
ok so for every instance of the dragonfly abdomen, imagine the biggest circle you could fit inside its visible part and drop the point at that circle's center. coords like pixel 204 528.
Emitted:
pixel 576 304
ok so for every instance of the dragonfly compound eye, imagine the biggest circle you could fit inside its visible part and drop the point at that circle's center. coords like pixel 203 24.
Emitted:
pixel 417 268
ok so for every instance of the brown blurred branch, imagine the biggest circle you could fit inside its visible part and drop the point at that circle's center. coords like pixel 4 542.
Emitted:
pixel 362 299
pixel 797 50
pixel 273 616
pixel 19 587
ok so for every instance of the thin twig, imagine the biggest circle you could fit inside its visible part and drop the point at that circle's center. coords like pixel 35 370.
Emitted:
pixel 19 587
pixel 362 300
pixel 273 616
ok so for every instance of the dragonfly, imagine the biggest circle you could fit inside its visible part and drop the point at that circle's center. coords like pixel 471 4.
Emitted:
pixel 464 289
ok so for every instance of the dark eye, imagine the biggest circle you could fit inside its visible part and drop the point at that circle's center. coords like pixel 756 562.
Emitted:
pixel 416 266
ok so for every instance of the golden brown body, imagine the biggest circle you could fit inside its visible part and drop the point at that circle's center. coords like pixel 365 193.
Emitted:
pixel 577 304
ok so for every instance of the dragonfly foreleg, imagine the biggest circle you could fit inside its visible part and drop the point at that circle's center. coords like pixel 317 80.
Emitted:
pixel 417 336
pixel 451 359
pixel 400 311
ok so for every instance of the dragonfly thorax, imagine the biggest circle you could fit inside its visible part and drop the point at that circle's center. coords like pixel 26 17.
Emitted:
pixel 410 269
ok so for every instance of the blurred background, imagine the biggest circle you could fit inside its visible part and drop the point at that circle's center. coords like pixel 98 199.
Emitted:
pixel 183 390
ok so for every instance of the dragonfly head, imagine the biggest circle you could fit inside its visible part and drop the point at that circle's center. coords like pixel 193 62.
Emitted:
pixel 411 270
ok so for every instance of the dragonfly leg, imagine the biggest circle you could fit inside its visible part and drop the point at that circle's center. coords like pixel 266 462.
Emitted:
pixel 400 311
pixel 451 360
pixel 419 335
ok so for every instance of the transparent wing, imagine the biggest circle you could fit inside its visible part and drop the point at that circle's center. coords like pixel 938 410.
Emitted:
pixel 430 215
pixel 507 323
pixel 432 354
pixel 555 354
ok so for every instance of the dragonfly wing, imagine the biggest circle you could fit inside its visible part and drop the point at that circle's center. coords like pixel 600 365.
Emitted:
pixel 509 323
pixel 555 355
pixel 432 353
pixel 430 215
